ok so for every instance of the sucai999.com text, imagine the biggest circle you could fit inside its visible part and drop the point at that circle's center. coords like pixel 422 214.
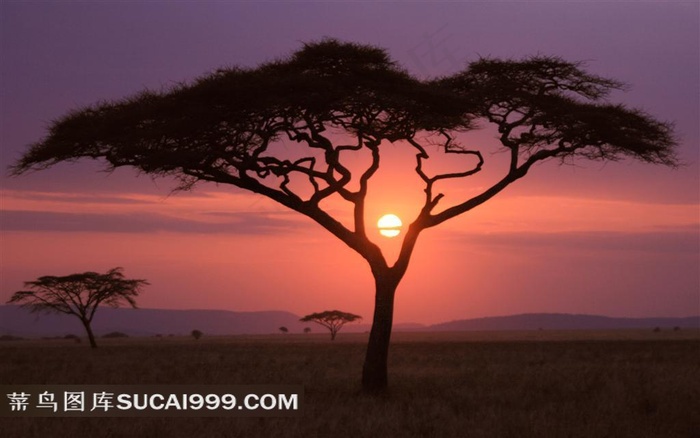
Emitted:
pixel 150 400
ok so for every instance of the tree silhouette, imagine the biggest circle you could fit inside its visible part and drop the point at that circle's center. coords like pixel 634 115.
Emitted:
pixel 333 320
pixel 284 329
pixel 227 128
pixel 79 295
pixel 196 334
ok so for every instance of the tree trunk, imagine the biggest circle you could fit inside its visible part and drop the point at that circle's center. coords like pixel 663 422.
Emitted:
pixel 91 337
pixel 374 371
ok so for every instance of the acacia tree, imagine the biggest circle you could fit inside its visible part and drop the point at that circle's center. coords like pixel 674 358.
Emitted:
pixel 333 320
pixel 79 295
pixel 227 127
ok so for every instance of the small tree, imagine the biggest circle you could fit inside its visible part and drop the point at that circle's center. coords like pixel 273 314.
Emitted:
pixel 197 334
pixel 79 295
pixel 333 320
pixel 284 329
pixel 307 329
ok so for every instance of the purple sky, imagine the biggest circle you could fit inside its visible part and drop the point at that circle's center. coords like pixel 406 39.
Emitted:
pixel 621 239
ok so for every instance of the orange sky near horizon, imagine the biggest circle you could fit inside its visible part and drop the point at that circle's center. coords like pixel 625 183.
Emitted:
pixel 488 262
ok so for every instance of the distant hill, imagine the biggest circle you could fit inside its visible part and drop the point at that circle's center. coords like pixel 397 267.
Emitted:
pixel 16 321
pixel 563 321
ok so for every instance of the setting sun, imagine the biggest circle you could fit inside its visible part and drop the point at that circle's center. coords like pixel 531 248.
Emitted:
pixel 389 225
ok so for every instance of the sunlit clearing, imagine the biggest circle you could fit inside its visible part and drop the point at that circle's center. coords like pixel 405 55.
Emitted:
pixel 389 225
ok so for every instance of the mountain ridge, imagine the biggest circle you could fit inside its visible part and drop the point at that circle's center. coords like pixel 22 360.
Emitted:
pixel 564 321
pixel 16 321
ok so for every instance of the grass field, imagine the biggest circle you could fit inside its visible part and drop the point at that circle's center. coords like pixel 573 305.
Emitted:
pixel 508 384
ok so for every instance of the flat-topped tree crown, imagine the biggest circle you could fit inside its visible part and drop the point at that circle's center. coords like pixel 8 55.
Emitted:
pixel 333 320
pixel 234 112
pixel 223 128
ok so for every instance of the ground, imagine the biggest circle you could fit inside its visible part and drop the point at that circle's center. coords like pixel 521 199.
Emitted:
pixel 500 384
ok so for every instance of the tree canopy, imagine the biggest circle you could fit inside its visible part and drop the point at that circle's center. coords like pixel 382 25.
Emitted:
pixel 333 320
pixel 223 126
pixel 79 294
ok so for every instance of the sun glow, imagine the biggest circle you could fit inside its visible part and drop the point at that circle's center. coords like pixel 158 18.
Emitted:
pixel 389 225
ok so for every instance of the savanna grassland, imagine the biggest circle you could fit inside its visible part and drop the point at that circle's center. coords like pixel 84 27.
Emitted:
pixel 529 384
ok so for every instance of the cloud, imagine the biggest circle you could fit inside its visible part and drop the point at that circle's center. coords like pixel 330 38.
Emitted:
pixel 86 198
pixel 234 223
pixel 687 241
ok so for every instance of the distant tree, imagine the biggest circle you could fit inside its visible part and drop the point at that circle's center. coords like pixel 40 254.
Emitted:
pixel 284 329
pixel 197 334
pixel 115 335
pixel 290 130
pixel 79 295
pixel 333 320
pixel 75 338
pixel 307 329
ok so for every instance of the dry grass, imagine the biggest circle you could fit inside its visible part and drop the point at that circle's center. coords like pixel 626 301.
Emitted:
pixel 529 384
